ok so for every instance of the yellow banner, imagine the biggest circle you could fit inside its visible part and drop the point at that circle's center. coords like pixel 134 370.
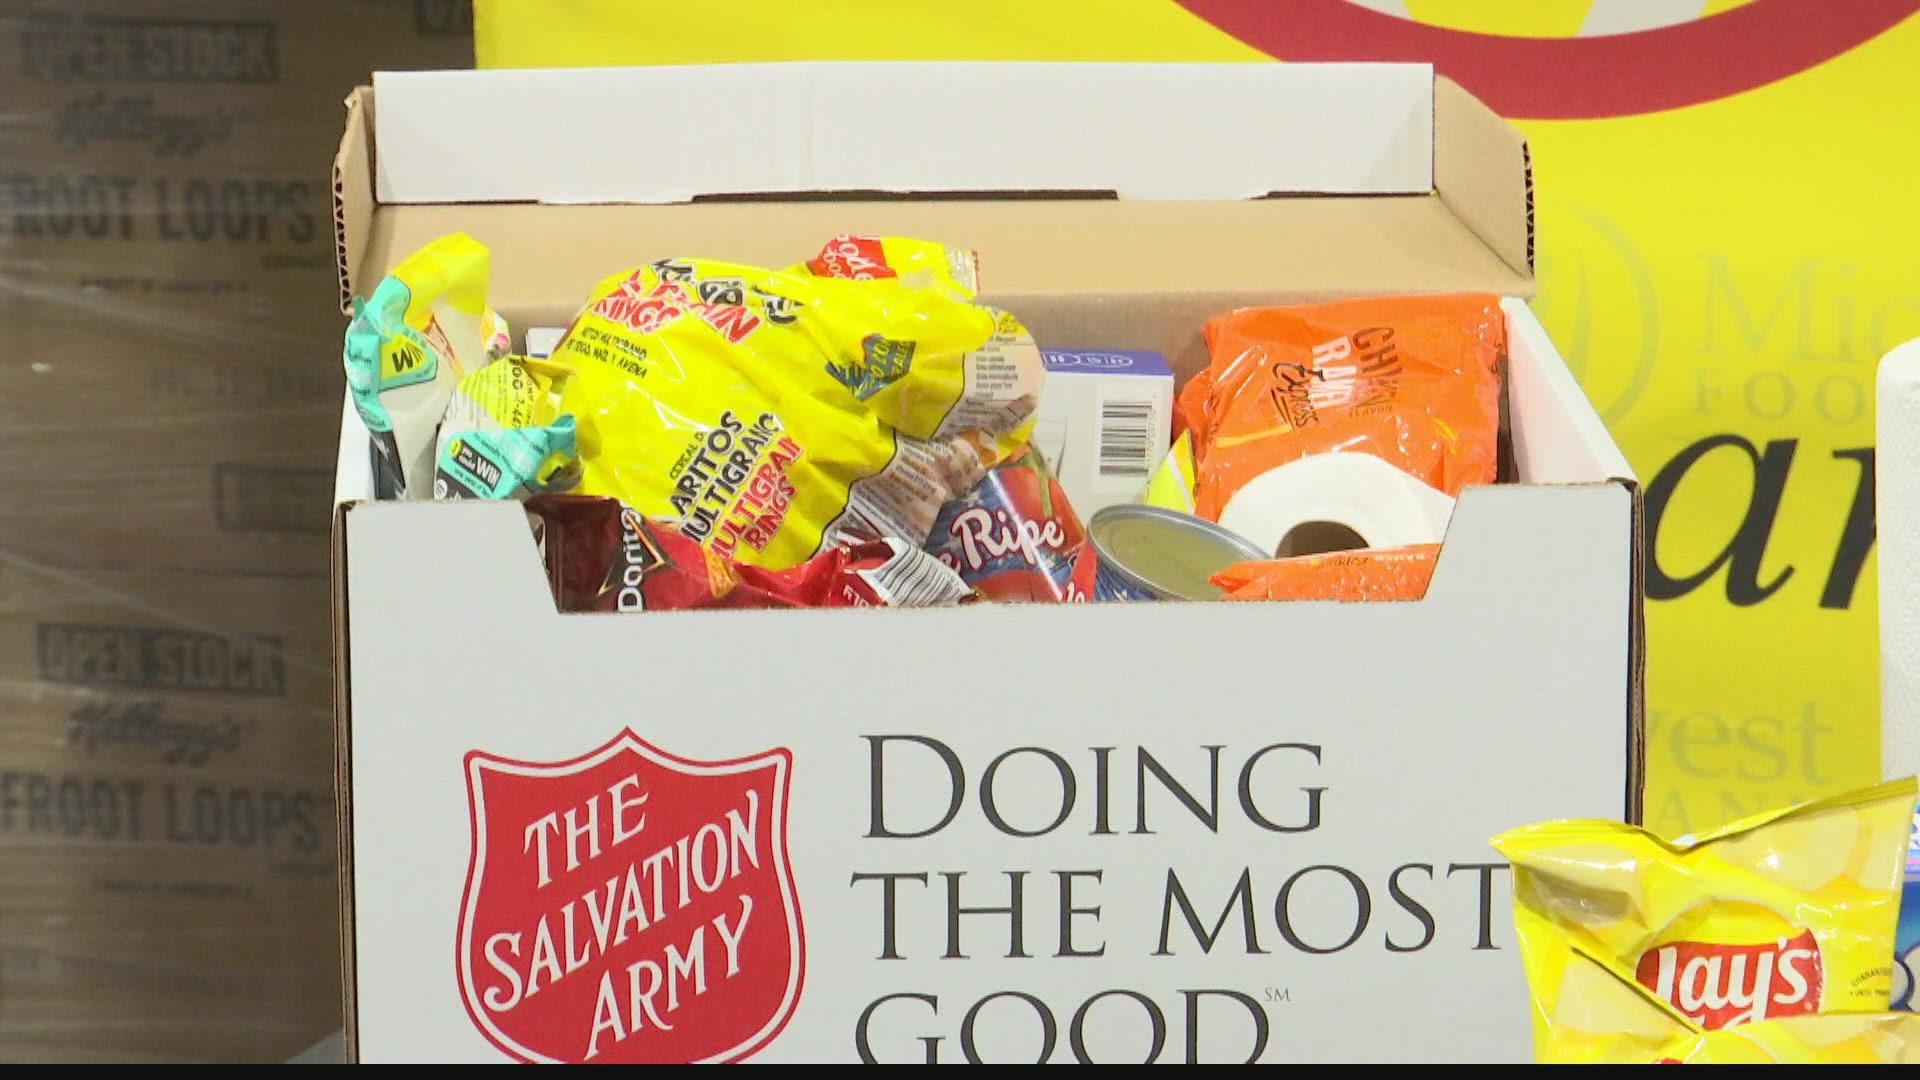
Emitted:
pixel 1729 238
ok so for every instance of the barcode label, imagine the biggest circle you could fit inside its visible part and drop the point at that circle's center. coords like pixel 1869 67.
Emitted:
pixel 1126 432
pixel 913 578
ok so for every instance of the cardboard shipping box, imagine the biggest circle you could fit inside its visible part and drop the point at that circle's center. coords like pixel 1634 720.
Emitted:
pixel 165 833
pixel 166 262
pixel 1169 831
pixel 165 251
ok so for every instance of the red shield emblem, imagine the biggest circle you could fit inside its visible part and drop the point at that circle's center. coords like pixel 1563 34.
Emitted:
pixel 629 906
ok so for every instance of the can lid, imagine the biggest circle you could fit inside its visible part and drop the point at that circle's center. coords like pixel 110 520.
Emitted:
pixel 1170 553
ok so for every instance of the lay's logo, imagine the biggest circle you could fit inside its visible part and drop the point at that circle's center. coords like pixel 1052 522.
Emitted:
pixel 1719 985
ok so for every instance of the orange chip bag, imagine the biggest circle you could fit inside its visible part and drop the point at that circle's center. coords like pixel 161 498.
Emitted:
pixel 1783 914
pixel 1412 380
pixel 1398 573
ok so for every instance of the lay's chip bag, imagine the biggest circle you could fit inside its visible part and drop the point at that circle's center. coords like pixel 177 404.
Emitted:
pixel 426 326
pixel 1822 1039
pixel 1602 1017
pixel 772 414
pixel 1783 914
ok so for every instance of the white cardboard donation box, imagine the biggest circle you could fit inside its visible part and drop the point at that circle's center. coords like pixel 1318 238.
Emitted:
pixel 1110 833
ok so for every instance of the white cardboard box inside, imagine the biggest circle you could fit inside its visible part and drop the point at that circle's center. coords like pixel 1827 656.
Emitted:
pixel 1103 423
pixel 1210 829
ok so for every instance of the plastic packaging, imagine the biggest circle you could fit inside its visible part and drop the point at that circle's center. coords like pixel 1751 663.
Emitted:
pixel 774 414
pixel 426 326
pixel 1781 914
pixel 1365 574
pixel 601 556
pixel 1607 1019
pixel 501 435
pixel 1414 381
pixel 1015 535
pixel 1171 485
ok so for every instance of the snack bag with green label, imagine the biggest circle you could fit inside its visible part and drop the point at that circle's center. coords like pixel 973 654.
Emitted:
pixel 503 437
pixel 425 327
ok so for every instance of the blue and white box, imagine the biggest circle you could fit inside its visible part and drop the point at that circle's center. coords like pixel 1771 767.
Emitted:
pixel 1103 424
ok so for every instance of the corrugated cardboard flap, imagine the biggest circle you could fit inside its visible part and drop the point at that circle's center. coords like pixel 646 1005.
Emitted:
pixel 1483 171
pixel 671 134
pixel 353 203
pixel 1378 178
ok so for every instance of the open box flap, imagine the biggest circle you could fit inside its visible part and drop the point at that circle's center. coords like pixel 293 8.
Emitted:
pixel 670 134
pixel 1358 151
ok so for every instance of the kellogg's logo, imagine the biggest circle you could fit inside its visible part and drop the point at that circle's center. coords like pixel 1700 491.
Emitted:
pixel 630 906
pixel 1718 985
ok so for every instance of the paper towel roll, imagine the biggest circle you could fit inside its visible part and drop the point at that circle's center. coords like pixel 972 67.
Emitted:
pixel 1897 502
pixel 1383 505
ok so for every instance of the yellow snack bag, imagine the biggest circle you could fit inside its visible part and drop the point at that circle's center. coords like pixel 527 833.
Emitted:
pixel 772 413
pixel 501 437
pixel 1602 1016
pixel 1820 1039
pixel 426 326
pixel 1171 486
pixel 1782 914
pixel 1588 1013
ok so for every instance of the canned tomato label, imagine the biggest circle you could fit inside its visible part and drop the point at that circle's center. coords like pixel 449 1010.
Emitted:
pixel 1149 553
pixel 1014 536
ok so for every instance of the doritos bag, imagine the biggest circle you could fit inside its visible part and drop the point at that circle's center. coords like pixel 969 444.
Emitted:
pixel 1364 574
pixel 604 557
pixel 774 414
pixel 1783 914
pixel 1412 380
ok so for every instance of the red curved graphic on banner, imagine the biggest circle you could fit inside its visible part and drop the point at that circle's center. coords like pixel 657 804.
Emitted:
pixel 1573 77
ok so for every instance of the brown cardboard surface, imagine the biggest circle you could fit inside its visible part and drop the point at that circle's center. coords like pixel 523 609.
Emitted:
pixel 1482 171
pixel 153 436
pixel 162 949
pixel 352 178
pixel 166 152
pixel 546 258
pixel 164 816
pixel 205 492
pixel 172 395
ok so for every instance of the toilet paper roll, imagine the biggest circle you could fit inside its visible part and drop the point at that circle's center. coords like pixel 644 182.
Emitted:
pixel 1385 506
pixel 1897 503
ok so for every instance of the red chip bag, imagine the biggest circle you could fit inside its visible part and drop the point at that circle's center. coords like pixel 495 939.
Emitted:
pixel 603 556
pixel 1412 380
pixel 1367 574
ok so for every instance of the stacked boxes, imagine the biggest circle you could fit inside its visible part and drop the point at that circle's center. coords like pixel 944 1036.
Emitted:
pixel 171 409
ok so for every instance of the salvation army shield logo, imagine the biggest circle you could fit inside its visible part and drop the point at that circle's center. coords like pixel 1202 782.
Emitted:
pixel 629 906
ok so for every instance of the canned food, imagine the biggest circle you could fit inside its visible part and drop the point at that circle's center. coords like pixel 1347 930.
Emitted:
pixel 1014 536
pixel 1150 553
